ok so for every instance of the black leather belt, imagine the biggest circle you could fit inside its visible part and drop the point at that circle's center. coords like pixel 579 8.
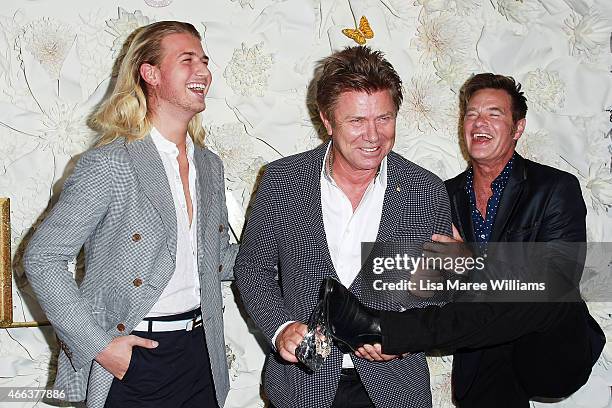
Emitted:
pixel 349 372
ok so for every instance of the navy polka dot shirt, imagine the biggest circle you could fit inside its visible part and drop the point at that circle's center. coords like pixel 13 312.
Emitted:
pixel 483 226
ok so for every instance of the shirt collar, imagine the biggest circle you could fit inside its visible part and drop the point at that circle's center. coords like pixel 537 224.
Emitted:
pixel 164 145
pixel 504 176
pixel 500 181
pixel 381 176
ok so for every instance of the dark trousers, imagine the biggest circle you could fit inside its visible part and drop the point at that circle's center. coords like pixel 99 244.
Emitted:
pixel 174 374
pixel 491 382
pixel 351 393
pixel 508 352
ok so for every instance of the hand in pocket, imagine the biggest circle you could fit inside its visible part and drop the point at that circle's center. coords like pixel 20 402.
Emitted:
pixel 116 356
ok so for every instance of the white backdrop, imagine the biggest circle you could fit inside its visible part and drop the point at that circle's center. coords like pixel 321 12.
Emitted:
pixel 55 60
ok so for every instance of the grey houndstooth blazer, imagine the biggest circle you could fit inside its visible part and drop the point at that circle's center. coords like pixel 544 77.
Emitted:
pixel 118 205
pixel 285 233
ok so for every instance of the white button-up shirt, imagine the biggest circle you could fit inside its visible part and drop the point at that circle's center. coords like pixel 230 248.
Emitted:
pixel 182 293
pixel 346 229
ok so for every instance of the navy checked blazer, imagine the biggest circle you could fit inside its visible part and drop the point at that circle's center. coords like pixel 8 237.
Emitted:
pixel 285 236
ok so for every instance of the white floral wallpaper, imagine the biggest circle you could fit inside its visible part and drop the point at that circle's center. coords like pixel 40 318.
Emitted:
pixel 56 57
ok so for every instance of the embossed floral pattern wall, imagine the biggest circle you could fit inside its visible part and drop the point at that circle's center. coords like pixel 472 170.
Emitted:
pixel 56 57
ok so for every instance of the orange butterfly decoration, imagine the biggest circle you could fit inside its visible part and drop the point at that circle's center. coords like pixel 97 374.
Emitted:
pixel 359 35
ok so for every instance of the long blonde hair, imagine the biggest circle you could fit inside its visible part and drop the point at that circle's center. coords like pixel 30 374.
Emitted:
pixel 124 113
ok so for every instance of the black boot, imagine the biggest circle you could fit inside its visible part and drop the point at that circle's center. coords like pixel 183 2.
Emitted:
pixel 350 323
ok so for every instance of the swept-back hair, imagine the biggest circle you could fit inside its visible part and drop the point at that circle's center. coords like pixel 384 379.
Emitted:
pixel 357 68
pixel 125 112
pixel 495 81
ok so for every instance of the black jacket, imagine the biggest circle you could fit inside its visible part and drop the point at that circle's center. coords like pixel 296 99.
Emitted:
pixel 539 204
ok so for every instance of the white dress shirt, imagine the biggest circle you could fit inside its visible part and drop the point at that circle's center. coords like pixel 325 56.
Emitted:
pixel 346 229
pixel 182 293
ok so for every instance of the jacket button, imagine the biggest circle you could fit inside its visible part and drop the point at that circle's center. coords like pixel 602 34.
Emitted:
pixel 221 228
pixel 220 268
pixel 121 327
pixel 137 282
pixel 136 237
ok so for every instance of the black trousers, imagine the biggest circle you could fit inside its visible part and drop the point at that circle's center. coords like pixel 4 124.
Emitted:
pixel 508 352
pixel 174 374
pixel 351 393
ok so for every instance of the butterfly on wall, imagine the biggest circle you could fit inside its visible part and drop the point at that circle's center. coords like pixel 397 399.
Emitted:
pixel 359 35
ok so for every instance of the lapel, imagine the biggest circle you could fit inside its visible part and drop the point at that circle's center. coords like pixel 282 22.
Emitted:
pixel 154 183
pixel 397 186
pixel 510 198
pixel 204 189
pixel 311 180
pixel 461 207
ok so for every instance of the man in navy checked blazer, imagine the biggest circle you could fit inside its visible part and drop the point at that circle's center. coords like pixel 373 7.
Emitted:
pixel 311 213
pixel 145 326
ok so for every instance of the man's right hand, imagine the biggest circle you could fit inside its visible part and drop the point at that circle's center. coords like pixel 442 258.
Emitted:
pixel 116 356
pixel 288 340
pixel 374 353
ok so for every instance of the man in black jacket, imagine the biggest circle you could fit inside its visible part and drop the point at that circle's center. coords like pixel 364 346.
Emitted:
pixel 505 353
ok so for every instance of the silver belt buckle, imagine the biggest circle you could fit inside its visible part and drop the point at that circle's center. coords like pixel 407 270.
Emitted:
pixel 193 323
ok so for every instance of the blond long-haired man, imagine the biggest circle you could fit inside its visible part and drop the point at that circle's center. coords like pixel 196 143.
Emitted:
pixel 145 326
